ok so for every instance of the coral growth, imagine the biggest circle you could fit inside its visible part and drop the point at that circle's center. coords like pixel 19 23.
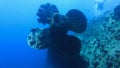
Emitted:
pixel 45 12
pixel 102 43
pixel 38 38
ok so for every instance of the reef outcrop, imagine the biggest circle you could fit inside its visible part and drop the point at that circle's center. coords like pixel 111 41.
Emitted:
pixel 101 41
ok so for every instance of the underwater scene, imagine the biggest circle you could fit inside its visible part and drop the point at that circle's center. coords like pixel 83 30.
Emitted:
pixel 59 33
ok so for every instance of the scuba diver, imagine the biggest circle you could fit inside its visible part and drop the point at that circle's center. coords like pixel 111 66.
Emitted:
pixel 63 49
pixel 99 6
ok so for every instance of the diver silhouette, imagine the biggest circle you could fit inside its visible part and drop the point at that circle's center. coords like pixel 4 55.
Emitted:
pixel 63 49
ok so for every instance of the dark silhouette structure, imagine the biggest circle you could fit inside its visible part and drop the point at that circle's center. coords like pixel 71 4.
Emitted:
pixel 63 50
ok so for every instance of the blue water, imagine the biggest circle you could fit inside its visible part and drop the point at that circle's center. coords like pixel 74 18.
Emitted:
pixel 17 17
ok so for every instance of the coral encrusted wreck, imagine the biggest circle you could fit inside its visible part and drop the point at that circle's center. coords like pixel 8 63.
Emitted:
pixel 74 20
pixel 63 49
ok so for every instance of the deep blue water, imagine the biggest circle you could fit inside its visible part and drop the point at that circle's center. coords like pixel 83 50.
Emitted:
pixel 17 17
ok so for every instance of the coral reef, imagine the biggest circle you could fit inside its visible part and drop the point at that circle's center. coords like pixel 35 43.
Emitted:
pixel 101 42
